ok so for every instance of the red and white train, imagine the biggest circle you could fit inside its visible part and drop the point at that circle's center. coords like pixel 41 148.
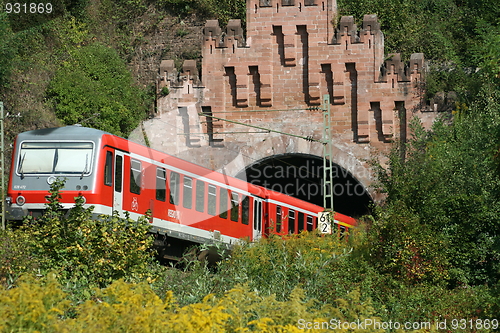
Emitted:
pixel 189 204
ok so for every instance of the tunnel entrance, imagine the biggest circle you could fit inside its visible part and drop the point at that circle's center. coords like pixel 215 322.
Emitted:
pixel 301 176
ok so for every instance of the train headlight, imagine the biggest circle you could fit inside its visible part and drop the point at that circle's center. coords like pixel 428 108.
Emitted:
pixel 8 201
pixel 20 200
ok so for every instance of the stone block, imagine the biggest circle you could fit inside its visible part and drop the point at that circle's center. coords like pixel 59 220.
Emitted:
pixel 168 70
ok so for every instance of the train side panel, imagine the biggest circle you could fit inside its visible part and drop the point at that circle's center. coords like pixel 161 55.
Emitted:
pixel 185 201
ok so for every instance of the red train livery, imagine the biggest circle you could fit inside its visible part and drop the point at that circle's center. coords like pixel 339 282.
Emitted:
pixel 189 204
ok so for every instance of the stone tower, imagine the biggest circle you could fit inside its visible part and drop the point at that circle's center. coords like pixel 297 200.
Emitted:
pixel 293 54
pixel 273 76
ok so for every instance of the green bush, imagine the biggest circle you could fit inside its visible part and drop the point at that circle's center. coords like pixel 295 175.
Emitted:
pixel 42 306
pixel 84 250
pixel 450 184
pixel 33 306
pixel 7 49
pixel 95 88
pixel 164 91
pixel 277 265
pixel 222 10
pixel 15 257
pixel 411 252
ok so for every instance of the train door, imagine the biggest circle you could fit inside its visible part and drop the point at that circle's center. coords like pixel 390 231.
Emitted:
pixel 257 219
pixel 118 188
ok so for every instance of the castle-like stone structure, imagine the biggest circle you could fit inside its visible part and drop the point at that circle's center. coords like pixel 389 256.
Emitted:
pixel 292 56
pixel 294 53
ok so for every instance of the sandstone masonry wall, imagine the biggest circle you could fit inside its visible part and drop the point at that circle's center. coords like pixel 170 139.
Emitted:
pixel 293 53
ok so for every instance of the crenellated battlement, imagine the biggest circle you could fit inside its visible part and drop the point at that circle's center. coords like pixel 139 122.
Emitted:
pixel 292 37
pixel 286 3
pixel 278 6
pixel 348 30
pixel 215 37
pixel 402 71
pixel 170 75
pixel 345 32
pixel 293 55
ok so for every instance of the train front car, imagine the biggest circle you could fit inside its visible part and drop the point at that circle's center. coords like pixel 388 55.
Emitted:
pixel 42 156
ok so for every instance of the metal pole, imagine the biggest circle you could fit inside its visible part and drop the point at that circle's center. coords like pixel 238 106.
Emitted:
pixel 2 164
pixel 327 156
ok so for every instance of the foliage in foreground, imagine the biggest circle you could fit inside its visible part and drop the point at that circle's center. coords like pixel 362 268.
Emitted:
pixel 85 251
pixel 42 306
pixel 327 269
pixel 102 277
pixel 305 280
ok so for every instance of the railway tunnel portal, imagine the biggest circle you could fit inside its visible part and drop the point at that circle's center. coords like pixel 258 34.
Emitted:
pixel 257 101
pixel 301 176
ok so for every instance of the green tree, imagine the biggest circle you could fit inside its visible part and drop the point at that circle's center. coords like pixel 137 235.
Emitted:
pixel 486 53
pixel 7 49
pixel 94 88
pixel 449 181
pixel 223 10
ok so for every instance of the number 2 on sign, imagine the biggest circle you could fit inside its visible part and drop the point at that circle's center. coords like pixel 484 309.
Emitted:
pixel 325 225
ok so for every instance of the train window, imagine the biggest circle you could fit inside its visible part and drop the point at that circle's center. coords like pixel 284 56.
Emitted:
pixel 174 188
pixel 135 176
pixel 291 221
pixel 161 185
pixel 108 169
pixel 118 173
pixel 300 222
pixel 200 196
pixel 342 231
pixel 245 207
pixel 309 223
pixel 234 206
pixel 55 157
pixel 278 218
pixel 187 197
pixel 212 199
pixel 223 203
pixel 255 214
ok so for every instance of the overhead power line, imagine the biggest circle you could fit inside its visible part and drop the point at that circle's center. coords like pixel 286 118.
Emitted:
pixel 307 138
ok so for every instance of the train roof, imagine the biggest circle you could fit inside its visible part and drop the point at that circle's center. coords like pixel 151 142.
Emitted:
pixel 63 133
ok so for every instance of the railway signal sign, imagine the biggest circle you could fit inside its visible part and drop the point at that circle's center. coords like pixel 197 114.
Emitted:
pixel 325 222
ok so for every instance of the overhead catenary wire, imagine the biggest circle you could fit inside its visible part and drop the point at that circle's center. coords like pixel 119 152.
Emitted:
pixel 271 161
pixel 307 138
pixel 312 108
pixel 226 133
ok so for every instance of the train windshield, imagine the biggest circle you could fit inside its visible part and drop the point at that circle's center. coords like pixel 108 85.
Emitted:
pixel 55 158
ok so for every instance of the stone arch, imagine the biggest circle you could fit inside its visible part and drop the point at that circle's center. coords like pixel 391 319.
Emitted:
pixel 301 176
pixel 349 170
pixel 255 149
